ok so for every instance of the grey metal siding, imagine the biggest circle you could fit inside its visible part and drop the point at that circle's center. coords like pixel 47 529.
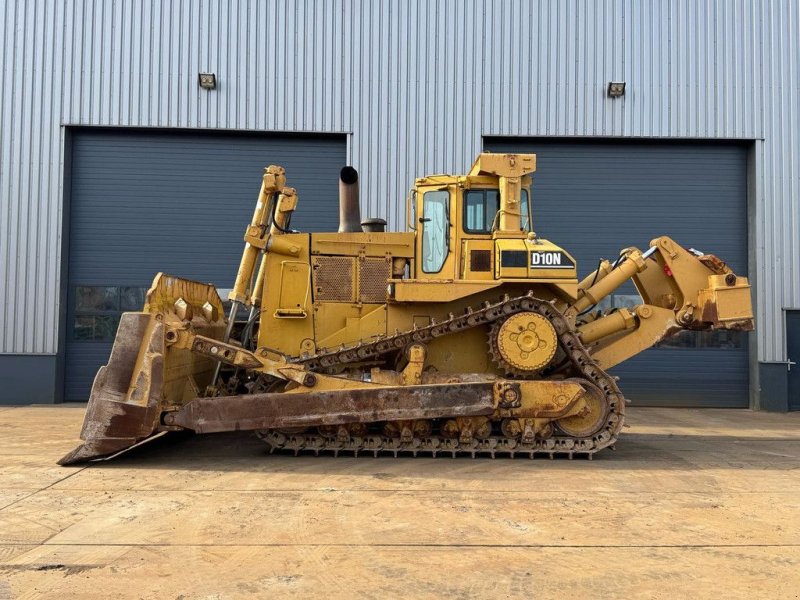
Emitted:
pixel 417 82
pixel 596 197
pixel 177 202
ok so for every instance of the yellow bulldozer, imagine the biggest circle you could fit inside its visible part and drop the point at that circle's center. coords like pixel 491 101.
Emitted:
pixel 467 334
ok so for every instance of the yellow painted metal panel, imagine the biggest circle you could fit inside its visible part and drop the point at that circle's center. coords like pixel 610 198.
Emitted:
pixel 399 244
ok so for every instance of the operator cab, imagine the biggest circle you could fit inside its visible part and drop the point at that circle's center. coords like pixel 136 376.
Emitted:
pixel 479 227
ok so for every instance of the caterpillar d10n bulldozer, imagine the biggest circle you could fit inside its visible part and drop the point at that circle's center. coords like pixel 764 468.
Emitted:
pixel 467 334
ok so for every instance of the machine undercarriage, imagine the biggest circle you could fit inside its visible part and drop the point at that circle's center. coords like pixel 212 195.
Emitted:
pixel 503 431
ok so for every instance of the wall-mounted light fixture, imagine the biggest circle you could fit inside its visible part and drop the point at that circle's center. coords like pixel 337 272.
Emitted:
pixel 208 81
pixel 616 89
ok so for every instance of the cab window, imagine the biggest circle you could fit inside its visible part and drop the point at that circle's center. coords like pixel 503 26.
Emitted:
pixel 525 205
pixel 481 208
pixel 435 224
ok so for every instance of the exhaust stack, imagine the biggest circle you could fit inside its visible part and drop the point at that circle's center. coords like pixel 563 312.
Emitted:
pixel 349 209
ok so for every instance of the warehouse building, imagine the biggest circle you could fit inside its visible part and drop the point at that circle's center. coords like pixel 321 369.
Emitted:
pixel 133 136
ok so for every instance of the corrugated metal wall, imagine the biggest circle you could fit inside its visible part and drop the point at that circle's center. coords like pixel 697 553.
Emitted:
pixel 418 83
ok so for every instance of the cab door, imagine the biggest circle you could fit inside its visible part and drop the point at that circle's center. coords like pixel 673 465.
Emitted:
pixel 435 244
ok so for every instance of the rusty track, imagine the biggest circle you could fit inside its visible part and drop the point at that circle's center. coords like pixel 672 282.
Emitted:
pixel 580 365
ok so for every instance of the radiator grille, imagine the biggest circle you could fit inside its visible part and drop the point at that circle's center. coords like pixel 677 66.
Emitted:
pixel 333 279
pixel 372 276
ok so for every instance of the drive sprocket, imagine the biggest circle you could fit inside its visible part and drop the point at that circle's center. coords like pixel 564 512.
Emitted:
pixel 523 344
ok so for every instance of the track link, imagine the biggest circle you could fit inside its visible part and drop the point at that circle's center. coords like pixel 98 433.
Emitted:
pixel 428 446
pixel 580 365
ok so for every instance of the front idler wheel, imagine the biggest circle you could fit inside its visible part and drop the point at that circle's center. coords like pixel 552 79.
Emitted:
pixel 592 418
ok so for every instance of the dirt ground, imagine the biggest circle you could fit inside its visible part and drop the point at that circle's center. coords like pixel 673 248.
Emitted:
pixel 693 503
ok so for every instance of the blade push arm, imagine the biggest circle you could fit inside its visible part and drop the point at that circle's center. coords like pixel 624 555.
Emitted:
pixel 680 289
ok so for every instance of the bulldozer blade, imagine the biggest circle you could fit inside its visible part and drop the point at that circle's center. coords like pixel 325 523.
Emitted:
pixel 334 407
pixel 144 373
pixel 125 401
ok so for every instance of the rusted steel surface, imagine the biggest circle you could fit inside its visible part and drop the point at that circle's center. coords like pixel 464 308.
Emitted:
pixel 714 263
pixel 710 316
pixel 115 419
pixel 311 409
pixel 136 421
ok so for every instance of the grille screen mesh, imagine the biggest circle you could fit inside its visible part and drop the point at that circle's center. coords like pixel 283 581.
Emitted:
pixel 333 279
pixel 372 276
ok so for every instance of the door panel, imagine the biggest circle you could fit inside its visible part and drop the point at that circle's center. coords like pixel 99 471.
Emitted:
pixel 793 355
pixel 178 202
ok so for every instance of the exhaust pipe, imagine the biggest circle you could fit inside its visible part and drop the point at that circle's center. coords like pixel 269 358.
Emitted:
pixel 349 209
